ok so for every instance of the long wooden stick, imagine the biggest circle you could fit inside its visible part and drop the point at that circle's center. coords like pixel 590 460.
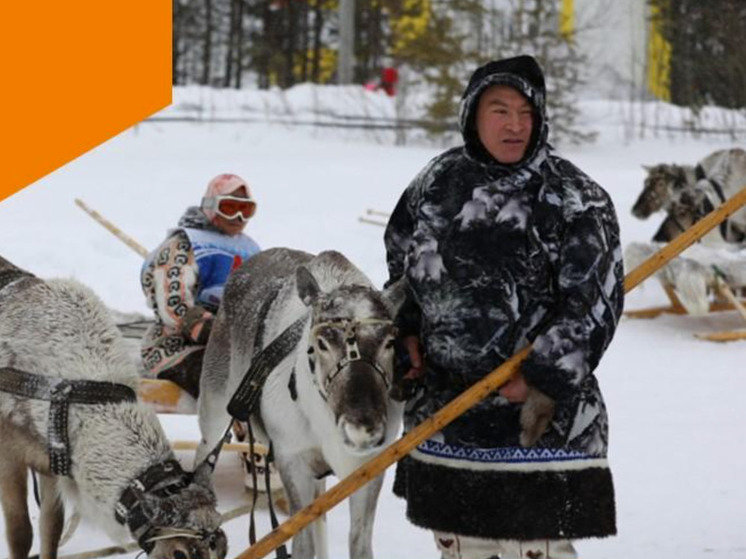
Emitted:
pixel 371 221
pixel 118 233
pixel 468 398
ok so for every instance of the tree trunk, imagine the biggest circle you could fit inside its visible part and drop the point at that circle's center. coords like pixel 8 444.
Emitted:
pixel 229 55
pixel 304 40
pixel 346 61
pixel 175 39
pixel 263 50
pixel 207 45
pixel 239 46
pixel 290 42
pixel 318 25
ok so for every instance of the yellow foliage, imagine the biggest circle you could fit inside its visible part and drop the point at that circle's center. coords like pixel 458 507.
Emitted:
pixel 327 64
pixel 659 60
pixel 567 19
pixel 409 24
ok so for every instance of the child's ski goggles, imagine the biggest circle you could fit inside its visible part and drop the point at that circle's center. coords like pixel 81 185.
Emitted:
pixel 230 207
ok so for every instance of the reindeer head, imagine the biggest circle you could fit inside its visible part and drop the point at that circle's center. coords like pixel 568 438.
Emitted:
pixel 175 517
pixel 351 356
pixel 685 210
pixel 661 185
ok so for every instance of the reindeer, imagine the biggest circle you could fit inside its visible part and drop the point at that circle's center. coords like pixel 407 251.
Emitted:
pixel 688 193
pixel 325 402
pixel 69 412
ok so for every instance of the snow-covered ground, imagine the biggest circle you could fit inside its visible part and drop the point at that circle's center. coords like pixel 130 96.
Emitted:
pixel 674 401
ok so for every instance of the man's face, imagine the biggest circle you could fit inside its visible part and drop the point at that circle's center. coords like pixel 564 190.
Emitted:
pixel 505 120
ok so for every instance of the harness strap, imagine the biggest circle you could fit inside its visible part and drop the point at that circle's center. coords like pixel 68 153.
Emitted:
pixel 699 173
pixel 247 395
pixel 255 493
pixel 61 393
pixel 282 552
pixel 164 478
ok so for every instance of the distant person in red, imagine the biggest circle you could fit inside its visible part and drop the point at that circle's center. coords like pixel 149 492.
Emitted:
pixel 389 77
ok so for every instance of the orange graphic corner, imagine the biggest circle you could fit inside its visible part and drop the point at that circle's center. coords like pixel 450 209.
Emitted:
pixel 74 75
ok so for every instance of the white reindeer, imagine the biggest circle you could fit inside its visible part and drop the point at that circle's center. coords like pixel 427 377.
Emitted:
pixel 325 405
pixel 57 341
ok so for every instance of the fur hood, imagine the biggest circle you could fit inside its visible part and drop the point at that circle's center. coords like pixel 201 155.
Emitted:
pixel 195 218
pixel 522 73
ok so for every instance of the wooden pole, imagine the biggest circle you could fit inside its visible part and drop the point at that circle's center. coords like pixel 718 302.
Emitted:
pixel 126 239
pixel 468 398
pixel 371 221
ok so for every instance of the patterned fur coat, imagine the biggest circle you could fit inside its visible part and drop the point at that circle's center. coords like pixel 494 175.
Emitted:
pixel 173 283
pixel 498 257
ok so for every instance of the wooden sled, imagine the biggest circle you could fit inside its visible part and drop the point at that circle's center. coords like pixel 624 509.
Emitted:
pixel 726 301
pixel 675 307
pixel 166 397
pixel 730 335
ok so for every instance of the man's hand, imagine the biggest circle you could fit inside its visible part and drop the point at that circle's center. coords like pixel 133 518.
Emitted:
pixel 412 344
pixel 404 385
pixel 515 390
pixel 537 410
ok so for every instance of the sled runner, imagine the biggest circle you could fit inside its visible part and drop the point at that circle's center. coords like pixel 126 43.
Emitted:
pixel 728 335
pixel 705 281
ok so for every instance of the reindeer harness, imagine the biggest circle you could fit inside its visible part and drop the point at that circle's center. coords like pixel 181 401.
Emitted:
pixel 61 393
pixel 726 231
pixel 162 479
pixel 349 327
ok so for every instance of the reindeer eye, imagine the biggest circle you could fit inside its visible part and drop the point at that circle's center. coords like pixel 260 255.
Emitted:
pixel 389 344
pixel 322 344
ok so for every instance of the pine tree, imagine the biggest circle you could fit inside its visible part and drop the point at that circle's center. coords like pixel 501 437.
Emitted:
pixel 708 41
pixel 426 38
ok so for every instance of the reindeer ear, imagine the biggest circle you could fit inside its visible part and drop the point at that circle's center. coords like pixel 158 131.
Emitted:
pixel 395 294
pixel 308 287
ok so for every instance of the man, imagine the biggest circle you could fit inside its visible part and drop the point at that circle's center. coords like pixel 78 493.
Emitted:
pixel 183 279
pixel 504 243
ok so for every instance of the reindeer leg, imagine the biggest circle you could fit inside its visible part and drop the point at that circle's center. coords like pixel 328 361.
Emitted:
pixel 320 540
pixel 298 481
pixel 362 513
pixel 13 497
pixel 51 517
